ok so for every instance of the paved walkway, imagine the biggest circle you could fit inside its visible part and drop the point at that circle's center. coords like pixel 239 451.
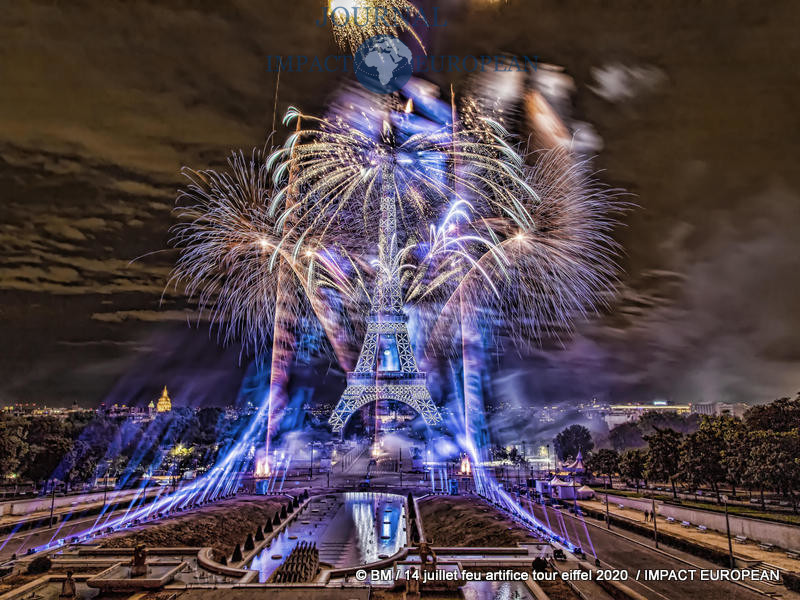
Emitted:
pixel 748 551
pixel 76 504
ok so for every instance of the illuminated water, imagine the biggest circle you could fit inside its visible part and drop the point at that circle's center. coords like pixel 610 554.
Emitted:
pixel 349 529
pixel 496 590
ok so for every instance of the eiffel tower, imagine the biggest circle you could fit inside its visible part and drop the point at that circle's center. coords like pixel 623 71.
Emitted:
pixel 386 367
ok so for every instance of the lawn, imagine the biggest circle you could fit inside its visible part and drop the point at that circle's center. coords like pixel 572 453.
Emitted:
pixel 460 521
pixel 221 525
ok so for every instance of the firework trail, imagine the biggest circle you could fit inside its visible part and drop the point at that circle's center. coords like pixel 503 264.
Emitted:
pixel 496 243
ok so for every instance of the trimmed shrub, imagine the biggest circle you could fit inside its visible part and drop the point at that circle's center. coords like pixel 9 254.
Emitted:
pixel 40 564
pixel 411 511
pixel 237 554
pixel 791 581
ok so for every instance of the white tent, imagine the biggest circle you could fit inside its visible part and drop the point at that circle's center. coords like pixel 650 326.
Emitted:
pixel 577 465
pixel 585 492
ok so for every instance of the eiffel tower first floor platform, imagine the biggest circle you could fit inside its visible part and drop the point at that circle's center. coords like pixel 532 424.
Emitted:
pixel 363 388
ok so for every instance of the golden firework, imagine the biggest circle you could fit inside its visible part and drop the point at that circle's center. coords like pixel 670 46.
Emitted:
pixel 355 21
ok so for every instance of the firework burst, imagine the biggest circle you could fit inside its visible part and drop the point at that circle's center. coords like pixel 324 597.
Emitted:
pixel 552 260
pixel 342 162
pixel 231 251
pixel 355 21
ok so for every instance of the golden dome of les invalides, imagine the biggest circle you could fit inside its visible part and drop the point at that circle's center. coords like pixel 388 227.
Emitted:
pixel 164 404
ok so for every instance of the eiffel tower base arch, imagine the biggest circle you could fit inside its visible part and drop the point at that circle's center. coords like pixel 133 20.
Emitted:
pixel 415 395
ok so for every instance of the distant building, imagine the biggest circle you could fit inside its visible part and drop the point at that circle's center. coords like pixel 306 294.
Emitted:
pixel 630 413
pixel 732 409
pixel 32 409
pixel 708 409
pixel 720 409
pixel 594 411
pixel 550 414
pixel 164 404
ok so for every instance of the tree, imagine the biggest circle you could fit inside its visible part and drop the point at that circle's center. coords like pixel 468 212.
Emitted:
pixel 736 453
pixel 604 462
pixel 781 415
pixel 499 453
pixel 180 459
pixel 113 468
pixel 209 420
pixel 652 420
pixel 762 447
pixel 626 435
pixel 49 442
pixel 515 457
pixel 573 439
pixel 702 452
pixel 77 464
pixel 774 463
pixel 663 456
pixel 13 444
pixel 632 464
pixel 787 465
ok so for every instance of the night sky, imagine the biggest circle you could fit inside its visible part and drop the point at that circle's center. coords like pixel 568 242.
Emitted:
pixel 101 103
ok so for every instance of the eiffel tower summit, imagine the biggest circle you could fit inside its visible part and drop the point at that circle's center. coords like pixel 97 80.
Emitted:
pixel 386 367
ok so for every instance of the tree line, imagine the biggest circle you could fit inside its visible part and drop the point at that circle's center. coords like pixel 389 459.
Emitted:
pixel 87 445
pixel 760 452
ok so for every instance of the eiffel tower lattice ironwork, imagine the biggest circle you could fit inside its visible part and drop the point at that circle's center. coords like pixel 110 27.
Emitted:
pixel 386 367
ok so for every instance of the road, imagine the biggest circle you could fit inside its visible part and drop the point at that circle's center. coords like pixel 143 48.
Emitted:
pixel 20 542
pixel 618 552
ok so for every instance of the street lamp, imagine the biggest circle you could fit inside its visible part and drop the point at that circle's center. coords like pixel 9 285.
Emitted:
pixel 575 496
pixel 728 529
pixel 655 526
pixel 548 457
pixel 105 488
pixel 52 501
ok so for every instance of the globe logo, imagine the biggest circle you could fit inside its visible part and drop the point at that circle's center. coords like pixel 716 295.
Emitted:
pixel 383 64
